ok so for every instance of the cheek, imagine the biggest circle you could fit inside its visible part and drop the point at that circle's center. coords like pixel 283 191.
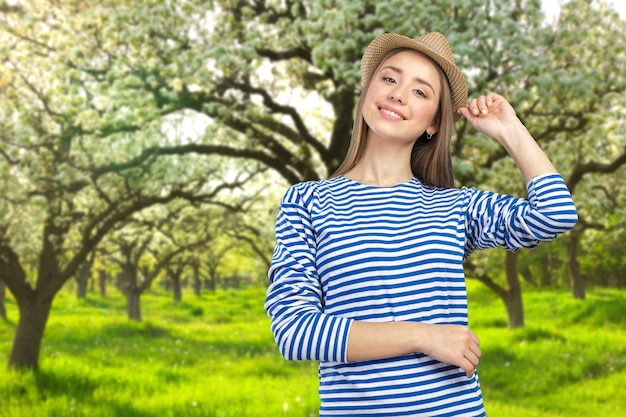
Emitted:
pixel 428 111
pixel 369 103
pixel 369 96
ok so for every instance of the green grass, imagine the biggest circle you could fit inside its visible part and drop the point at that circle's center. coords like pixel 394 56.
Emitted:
pixel 214 355
pixel 569 360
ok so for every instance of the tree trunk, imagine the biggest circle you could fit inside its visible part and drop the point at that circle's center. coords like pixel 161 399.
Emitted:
pixel 576 282
pixel 176 288
pixel 513 299
pixel 3 310
pixel 34 315
pixel 120 283
pixel 197 282
pixel 82 276
pixel 511 296
pixel 175 277
pixel 102 283
pixel 132 290
pixel 133 306
pixel 211 282
pixel 82 282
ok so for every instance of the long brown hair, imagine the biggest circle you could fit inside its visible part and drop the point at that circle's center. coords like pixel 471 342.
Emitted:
pixel 431 161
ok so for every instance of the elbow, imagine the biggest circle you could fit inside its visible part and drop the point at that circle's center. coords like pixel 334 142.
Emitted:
pixel 284 336
pixel 570 216
pixel 553 224
pixel 575 218
pixel 287 354
pixel 286 349
pixel 570 219
pixel 573 223
pixel 282 344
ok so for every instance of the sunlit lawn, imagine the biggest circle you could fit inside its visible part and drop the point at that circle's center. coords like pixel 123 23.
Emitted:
pixel 214 355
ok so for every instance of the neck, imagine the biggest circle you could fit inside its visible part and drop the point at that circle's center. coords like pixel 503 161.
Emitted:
pixel 383 164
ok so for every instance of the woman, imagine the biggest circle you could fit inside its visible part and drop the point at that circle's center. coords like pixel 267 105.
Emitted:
pixel 367 275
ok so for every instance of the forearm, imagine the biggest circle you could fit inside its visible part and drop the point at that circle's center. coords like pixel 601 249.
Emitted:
pixel 448 343
pixel 370 341
pixel 525 152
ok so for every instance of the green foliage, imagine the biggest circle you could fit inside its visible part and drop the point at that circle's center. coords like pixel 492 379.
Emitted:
pixel 600 254
pixel 569 361
pixel 276 82
pixel 107 110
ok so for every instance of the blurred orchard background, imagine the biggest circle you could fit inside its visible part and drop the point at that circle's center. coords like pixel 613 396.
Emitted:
pixel 145 146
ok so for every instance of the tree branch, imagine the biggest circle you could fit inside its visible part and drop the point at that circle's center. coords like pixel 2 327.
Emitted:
pixel 472 272
pixel 153 152
pixel 582 169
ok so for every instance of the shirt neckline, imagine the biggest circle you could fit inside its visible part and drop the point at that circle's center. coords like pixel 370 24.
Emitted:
pixel 410 181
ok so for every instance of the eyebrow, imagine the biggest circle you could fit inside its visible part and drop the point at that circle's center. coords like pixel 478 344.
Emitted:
pixel 418 79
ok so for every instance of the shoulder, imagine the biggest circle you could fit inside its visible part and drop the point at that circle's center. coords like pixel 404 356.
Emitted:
pixel 452 193
pixel 307 191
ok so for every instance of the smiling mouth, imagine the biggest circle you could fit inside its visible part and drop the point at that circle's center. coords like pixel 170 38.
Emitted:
pixel 391 113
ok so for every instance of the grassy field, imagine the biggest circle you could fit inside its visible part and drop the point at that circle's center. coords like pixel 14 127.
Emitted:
pixel 214 356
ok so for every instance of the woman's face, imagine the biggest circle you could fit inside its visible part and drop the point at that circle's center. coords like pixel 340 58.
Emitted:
pixel 402 99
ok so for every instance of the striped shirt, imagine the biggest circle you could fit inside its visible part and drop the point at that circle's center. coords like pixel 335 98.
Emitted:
pixel 347 251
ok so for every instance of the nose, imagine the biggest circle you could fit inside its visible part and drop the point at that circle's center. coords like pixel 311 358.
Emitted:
pixel 396 95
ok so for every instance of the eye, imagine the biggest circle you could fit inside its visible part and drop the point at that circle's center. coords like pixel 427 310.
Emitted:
pixel 389 80
pixel 419 93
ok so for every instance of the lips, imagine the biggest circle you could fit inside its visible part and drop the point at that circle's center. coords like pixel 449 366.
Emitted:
pixel 390 113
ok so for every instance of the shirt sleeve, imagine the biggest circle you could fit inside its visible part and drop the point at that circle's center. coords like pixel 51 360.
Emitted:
pixel 294 297
pixel 514 223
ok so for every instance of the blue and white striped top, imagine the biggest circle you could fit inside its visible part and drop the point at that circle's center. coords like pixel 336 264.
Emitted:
pixel 347 251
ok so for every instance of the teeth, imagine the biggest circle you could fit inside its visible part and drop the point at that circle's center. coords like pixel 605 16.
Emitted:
pixel 392 114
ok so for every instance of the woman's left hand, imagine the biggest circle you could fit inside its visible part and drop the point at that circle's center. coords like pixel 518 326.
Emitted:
pixel 491 114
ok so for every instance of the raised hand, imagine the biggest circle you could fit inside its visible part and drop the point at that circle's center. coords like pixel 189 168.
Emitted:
pixel 492 115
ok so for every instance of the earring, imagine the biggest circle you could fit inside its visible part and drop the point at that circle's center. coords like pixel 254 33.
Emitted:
pixel 429 136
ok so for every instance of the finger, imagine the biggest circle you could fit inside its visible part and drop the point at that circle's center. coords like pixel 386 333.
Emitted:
pixel 474 345
pixel 472 358
pixel 465 112
pixel 482 105
pixel 473 107
pixel 474 338
pixel 492 98
pixel 476 351
pixel 469 368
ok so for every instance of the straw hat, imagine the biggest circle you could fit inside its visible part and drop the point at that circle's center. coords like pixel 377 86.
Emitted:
pixel 433 45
